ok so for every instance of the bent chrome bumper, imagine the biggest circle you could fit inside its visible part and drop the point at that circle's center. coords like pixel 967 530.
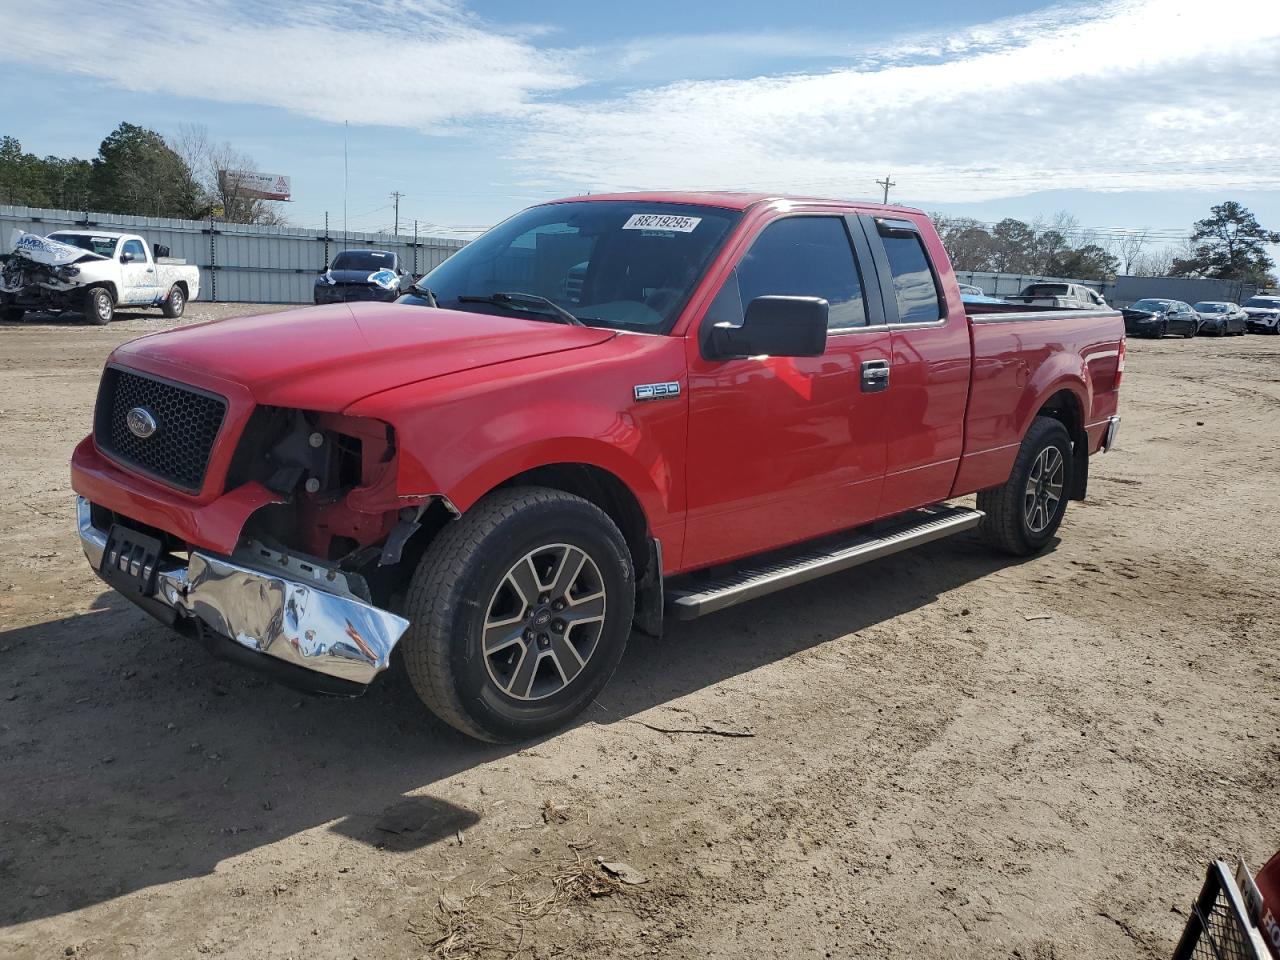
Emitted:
pixel 301 619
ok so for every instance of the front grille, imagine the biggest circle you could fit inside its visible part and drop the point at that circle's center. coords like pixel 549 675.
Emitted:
pixel 187 423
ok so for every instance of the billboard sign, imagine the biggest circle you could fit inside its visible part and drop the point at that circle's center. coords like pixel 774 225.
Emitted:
pixel 249 185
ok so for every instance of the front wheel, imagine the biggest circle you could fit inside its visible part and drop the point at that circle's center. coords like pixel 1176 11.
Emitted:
pixel 99 308
pixel 519 612
pixel 1023 515
pixel 11 314
pixel 1163 331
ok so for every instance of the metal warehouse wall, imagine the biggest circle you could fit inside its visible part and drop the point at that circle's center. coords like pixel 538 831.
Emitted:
pixel 1129 289
pixel 238 262
pixel 1010 284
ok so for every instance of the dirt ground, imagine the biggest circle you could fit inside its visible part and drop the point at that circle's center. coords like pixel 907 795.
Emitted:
pixel 952 754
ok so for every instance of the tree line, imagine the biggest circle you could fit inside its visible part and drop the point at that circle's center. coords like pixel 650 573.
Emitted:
pixel 137 172
pixel 1229 244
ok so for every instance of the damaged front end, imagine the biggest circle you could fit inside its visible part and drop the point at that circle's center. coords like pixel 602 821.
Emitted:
pixel 300 587
pixel 39 272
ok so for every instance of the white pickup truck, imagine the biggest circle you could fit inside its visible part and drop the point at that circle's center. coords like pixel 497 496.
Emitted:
pixel 92 272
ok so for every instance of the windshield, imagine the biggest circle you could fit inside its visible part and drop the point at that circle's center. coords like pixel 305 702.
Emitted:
pixel 86 241
pixel 1046 290
pixel 1151 305
pixel 364 260
pixel 1269 303
pixel 1210 307
pixel 612 263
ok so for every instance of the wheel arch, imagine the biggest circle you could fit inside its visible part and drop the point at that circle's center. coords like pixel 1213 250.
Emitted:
pixel 1065 406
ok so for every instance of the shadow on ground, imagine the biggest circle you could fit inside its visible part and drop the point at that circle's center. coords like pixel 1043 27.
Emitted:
pixel 129 750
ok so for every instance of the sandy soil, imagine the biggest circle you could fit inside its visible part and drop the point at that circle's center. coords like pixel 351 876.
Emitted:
pixel 953 754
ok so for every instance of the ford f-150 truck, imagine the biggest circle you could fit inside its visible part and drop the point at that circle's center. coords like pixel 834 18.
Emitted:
pixel 603 409
pixel 92 272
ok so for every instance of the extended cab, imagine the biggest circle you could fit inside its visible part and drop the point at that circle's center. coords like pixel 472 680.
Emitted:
pixel 92 272
pixel 603 409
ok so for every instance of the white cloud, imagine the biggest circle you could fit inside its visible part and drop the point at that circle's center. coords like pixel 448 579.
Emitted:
pixel 1138 94
pixel 1126 94
pixel 414 63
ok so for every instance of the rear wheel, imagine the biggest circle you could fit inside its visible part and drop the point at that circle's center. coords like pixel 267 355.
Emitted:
pixel 1023 515
pixel 174 303
pixel 519 612
pixel 99 308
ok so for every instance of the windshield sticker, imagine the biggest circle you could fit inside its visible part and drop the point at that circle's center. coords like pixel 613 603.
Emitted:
pixel 661 221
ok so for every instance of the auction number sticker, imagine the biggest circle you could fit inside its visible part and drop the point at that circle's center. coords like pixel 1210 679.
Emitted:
pixel 661 221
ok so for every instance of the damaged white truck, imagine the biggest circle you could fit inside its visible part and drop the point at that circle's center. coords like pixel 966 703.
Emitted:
pixel 91 273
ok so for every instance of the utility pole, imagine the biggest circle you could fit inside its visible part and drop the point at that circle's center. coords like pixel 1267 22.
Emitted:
pixel 886 183
pixel 395 196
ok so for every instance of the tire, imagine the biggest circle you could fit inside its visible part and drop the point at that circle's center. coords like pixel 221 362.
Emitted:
pixel 1007 524
pixel 1163 331
pixel 98 308
pixel 174 303
pixel 12 314
pixel 468 577
pixel 1190 334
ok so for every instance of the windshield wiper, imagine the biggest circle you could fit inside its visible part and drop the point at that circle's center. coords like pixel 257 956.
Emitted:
pixel 528 300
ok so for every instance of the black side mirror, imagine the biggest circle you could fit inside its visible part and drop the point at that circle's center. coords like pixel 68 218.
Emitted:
pixel 775 327
pixel 126 257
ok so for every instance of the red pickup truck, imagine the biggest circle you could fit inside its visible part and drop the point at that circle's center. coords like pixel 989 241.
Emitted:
pixel 604 409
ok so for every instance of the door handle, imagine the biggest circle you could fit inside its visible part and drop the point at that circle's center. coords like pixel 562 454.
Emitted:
pixel 875 376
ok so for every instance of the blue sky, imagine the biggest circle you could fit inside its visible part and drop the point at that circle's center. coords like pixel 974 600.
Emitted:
pixel 1125 113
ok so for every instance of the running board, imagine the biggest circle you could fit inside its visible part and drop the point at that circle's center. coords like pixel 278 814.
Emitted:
pixel 688 601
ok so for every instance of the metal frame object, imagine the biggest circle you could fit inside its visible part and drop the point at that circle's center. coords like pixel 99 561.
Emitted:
pixel 298 613
pixel 1222 925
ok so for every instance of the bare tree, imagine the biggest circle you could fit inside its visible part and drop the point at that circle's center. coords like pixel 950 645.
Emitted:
pixel 1127 248
pixel 224 195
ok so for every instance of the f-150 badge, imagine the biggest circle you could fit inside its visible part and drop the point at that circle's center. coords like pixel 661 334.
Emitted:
pixel 657 391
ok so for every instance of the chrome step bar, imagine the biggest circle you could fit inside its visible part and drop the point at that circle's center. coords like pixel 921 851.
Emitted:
pixel 690 600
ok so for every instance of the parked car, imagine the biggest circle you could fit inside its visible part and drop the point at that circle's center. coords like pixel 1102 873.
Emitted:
pixel 1263 314
pixel 1155 317
pixel 1064 296
pixel 1221 319
pixel 503 482
pixel 91 273
pixel 362 275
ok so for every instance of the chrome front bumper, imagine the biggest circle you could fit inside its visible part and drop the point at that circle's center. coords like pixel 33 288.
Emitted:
pixel 1109 438
pixel 304 619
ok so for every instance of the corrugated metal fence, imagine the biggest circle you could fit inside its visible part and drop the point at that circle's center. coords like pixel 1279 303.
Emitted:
pixel 238 262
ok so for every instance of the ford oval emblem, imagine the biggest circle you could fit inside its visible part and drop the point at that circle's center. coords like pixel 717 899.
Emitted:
pixel 141 422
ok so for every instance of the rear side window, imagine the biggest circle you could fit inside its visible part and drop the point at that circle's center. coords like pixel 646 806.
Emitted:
pixel 805 257
pixel 913 283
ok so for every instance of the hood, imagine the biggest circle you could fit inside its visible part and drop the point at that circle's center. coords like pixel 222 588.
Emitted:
pixel 1262 311
pixel 351 276
pixel 326 358
pixel 1130 314
pixel 50 253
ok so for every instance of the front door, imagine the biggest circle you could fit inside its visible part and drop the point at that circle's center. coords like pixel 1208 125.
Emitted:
pixel 782 449
pixel 138 276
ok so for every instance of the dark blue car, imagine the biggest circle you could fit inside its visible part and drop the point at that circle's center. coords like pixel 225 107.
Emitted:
pixel 362 275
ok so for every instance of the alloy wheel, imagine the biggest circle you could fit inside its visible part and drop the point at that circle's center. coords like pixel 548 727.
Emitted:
pixel 1044 489
pixel 544 621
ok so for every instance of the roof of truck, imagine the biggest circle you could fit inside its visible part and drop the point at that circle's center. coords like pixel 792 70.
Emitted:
pixel 732 199
pixel 112 234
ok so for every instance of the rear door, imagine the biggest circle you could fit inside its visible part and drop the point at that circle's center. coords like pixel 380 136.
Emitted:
pixel 930 363
pixel 782 449
pixel 138 280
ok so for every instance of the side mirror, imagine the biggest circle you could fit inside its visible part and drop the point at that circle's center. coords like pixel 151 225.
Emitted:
pixel 126 257
pixel 775 327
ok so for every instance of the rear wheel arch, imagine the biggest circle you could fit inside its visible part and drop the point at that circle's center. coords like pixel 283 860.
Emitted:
pixel 1068 409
